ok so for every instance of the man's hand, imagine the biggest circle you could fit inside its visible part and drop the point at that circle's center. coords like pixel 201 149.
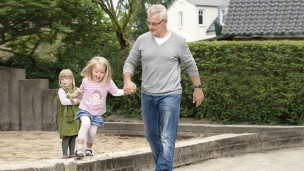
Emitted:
pixel 129 88
pixel 198 96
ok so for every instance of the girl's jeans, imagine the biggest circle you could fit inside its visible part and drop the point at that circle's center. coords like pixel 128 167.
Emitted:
pixel 161 116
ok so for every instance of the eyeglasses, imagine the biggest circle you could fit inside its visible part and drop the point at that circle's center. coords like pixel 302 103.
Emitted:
pixel 154 24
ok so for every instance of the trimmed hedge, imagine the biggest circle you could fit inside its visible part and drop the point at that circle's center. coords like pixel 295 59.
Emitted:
pixel 260 82
pixel 256 82
pixel 253 82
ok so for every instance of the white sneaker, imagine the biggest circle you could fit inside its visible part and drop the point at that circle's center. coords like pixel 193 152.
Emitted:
pixel 79 153
pixel 88 152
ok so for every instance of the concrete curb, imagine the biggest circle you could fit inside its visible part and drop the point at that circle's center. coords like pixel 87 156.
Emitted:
pixel 193 130
pixel 254 139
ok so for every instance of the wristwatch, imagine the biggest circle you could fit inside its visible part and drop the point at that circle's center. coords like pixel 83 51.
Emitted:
pixel 198 86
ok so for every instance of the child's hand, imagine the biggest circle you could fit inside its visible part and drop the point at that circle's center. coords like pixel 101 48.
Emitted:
pixel 129 88
pixel 73 95
pixel 79 98
pixel 72 102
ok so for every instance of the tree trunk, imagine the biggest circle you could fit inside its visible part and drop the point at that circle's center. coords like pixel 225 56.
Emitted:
pixel 124 43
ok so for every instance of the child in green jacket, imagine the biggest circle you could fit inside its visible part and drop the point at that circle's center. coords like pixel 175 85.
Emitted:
pixel 67 108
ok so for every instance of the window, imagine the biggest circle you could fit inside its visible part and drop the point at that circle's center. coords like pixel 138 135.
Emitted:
pixel 201 17
pixel 222 16
pixel 180 19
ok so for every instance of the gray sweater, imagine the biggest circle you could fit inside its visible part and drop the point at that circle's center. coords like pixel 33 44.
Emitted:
pixel 161 72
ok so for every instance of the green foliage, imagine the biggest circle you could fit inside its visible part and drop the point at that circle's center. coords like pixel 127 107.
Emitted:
pixel 71 32
pixel 26 21
pixel 131 105
pixel 122 15
pixel 257 82
pixel 250 82
pixel 128 18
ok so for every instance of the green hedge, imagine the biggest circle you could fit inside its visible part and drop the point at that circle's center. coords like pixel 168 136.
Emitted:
pixel 258 82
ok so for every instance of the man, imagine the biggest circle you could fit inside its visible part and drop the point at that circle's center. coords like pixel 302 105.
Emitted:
pixel 161 52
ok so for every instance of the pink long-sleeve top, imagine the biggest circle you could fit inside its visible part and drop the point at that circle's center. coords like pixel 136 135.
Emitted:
pixel 94 96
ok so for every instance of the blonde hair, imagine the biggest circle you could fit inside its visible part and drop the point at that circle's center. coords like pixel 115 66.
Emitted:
pixel 157 9
pixel 67 73
pixel 87 70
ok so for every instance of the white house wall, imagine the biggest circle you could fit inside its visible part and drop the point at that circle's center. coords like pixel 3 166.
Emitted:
pixel 191 30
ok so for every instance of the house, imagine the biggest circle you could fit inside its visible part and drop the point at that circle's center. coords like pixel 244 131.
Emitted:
pixel 192 19
pixel 264 19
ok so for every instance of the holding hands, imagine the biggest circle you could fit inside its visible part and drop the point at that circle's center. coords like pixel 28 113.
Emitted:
pixel 76 95
pixel 129 87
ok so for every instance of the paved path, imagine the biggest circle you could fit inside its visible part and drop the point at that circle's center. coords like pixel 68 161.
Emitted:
pixel 286 159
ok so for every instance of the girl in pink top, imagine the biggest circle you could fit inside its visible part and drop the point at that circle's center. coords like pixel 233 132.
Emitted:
pixel 96 84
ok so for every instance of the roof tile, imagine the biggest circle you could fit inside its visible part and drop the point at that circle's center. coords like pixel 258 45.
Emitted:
pixel 265 17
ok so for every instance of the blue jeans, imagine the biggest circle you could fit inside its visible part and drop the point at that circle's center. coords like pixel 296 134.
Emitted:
pixel 161 116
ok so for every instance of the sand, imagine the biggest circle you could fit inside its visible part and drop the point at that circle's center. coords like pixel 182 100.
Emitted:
pixel 40 145
pixel 20 148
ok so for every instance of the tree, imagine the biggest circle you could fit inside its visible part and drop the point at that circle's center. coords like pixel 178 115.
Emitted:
pixel 126 15
pixel 73 30
pixel 25 25
pixel 123 15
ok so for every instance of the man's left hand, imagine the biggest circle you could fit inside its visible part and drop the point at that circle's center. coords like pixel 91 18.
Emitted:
pixel 198 96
